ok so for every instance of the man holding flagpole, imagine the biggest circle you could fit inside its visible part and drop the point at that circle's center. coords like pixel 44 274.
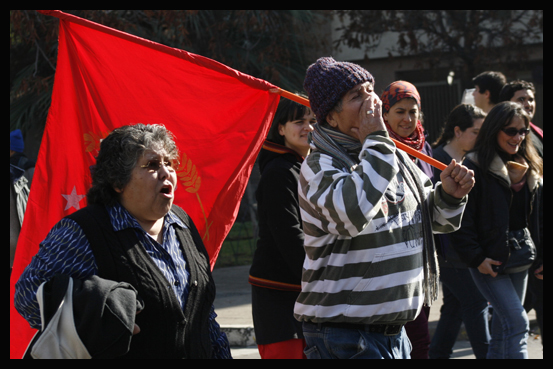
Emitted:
pixel 368 215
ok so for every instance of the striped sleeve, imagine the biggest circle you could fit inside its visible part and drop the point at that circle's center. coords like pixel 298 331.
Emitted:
pixel 343 202
pixel 446 211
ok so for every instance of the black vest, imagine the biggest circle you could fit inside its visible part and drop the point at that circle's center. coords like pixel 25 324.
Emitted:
pixel 166 332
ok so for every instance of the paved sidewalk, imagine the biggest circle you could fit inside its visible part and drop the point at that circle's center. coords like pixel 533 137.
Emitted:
pixel 233 307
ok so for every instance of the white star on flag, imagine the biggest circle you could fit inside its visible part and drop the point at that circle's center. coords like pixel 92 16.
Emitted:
pixel 73 199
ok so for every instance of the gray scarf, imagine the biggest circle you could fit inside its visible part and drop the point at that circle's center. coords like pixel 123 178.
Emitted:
pixel 341 147
pixel 430 259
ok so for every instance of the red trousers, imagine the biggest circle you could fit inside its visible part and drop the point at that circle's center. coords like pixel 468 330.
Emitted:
pixel 291 349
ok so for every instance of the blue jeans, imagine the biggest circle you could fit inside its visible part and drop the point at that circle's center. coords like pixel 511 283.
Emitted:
pixel 509 320
pixel 463 303
pixel 339 343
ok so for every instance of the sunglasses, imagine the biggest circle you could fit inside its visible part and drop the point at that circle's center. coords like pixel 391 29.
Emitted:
pixel 511 131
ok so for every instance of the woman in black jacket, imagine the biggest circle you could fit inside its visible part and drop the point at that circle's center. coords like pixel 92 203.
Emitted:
pixel 503 210
pixel 276 270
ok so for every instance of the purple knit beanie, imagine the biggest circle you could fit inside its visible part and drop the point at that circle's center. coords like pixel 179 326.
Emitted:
pixel 327 80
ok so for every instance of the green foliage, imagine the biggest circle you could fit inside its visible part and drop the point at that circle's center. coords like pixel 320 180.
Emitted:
pixel 238 247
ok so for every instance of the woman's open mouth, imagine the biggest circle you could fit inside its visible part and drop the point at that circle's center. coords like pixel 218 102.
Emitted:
pixel 167 190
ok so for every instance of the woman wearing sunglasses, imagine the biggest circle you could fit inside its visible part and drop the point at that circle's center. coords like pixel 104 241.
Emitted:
pixel 503 214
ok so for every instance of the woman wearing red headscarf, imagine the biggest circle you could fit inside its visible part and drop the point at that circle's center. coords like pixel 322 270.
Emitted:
pixel 401 110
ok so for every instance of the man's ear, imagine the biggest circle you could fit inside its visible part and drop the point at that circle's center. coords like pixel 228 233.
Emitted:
pixel 331 119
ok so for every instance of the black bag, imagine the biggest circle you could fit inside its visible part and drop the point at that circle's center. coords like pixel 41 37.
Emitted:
pixel 523 251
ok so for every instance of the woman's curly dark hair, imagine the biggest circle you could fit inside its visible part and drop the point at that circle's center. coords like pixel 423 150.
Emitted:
pixel 119 153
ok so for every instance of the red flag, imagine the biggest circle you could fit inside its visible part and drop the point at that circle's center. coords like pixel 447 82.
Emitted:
pixel 105 79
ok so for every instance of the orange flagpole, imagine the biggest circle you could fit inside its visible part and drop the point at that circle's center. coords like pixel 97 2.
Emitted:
pixel 400 145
